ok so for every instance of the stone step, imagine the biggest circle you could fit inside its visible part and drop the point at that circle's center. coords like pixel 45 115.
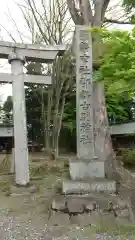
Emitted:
pixel 86 206
pixel 96 221
pixel 85 169
pixel 90 208
pixel 93 185
pixel 90 202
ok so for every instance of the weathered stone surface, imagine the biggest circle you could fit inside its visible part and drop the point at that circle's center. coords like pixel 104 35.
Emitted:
pixel 90 206
pixel 84 87
pixel 20 126
pixel 82 170
pixel 59 203
pixel 121 204
pixel 123 213
pixel 76 205
pixel 72 187
pixel 16 190
pixel 32 52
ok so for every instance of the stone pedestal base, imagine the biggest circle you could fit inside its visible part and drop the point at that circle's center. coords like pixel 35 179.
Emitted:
pixel 85 169
pixel 82 187
pixel 17 190
pixel 86 207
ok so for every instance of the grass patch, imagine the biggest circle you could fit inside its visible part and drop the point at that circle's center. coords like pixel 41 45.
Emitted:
pixel 3 182
pixel 45 168
pixel 127 156
pixel 5 164
pixel 37 188
pixel 119 230
pixel 58 188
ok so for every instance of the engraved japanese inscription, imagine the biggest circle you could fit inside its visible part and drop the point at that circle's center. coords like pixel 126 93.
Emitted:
pixel 85 146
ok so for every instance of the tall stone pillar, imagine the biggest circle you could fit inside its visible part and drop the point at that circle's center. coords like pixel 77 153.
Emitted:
pixel 84 94
pixel 86 165
pixel 87 171
pixel 19 116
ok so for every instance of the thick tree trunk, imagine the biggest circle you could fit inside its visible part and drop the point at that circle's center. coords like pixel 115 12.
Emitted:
pixel 103 145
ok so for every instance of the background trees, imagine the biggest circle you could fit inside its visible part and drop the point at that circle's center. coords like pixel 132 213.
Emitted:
pixel 116 71
pixel 52 119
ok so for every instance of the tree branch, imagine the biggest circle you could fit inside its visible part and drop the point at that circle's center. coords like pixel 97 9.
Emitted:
pixel 98 4
pixel 10 34
pixel 86 11
pixel 36 20
pixel 74 13
pixel 106 20
pixel 104 8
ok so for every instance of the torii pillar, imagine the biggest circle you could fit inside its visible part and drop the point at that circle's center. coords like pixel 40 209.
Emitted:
pixel 20 125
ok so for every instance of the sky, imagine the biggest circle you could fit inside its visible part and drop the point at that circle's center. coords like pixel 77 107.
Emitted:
pixel 9 7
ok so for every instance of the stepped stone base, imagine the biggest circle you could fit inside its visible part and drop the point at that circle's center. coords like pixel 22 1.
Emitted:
pixel 84 169
pixel 84 220
pixel 90 201
pixel 94 185
pixel 91 205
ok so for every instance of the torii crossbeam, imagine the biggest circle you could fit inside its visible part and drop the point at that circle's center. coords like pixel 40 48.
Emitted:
pixel 28 78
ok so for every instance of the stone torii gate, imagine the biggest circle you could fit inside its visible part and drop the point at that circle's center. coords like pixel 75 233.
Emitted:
pixel 17 54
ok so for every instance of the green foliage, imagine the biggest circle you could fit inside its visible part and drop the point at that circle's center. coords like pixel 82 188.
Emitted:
pixel 8 105
pixel 126 155
pixel 34 98
pixel 117 70
pixel 69 116
pixel 43 169
pixel 129 4
pixel 33 109
pixel 7 110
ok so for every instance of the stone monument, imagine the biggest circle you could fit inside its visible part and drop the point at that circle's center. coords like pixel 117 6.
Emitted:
pixel 86 166
pixel 88 190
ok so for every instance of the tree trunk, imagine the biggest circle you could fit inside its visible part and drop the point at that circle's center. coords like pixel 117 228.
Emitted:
pixel 55 121
pixel 102 139
pixel 43 118
pixel 59 127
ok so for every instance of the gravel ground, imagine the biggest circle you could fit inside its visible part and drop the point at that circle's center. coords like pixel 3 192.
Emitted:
pixel 25 218
pixel 14 228
pixel 32 228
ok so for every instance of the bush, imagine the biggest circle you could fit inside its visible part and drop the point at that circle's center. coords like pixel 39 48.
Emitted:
pixel 126 155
